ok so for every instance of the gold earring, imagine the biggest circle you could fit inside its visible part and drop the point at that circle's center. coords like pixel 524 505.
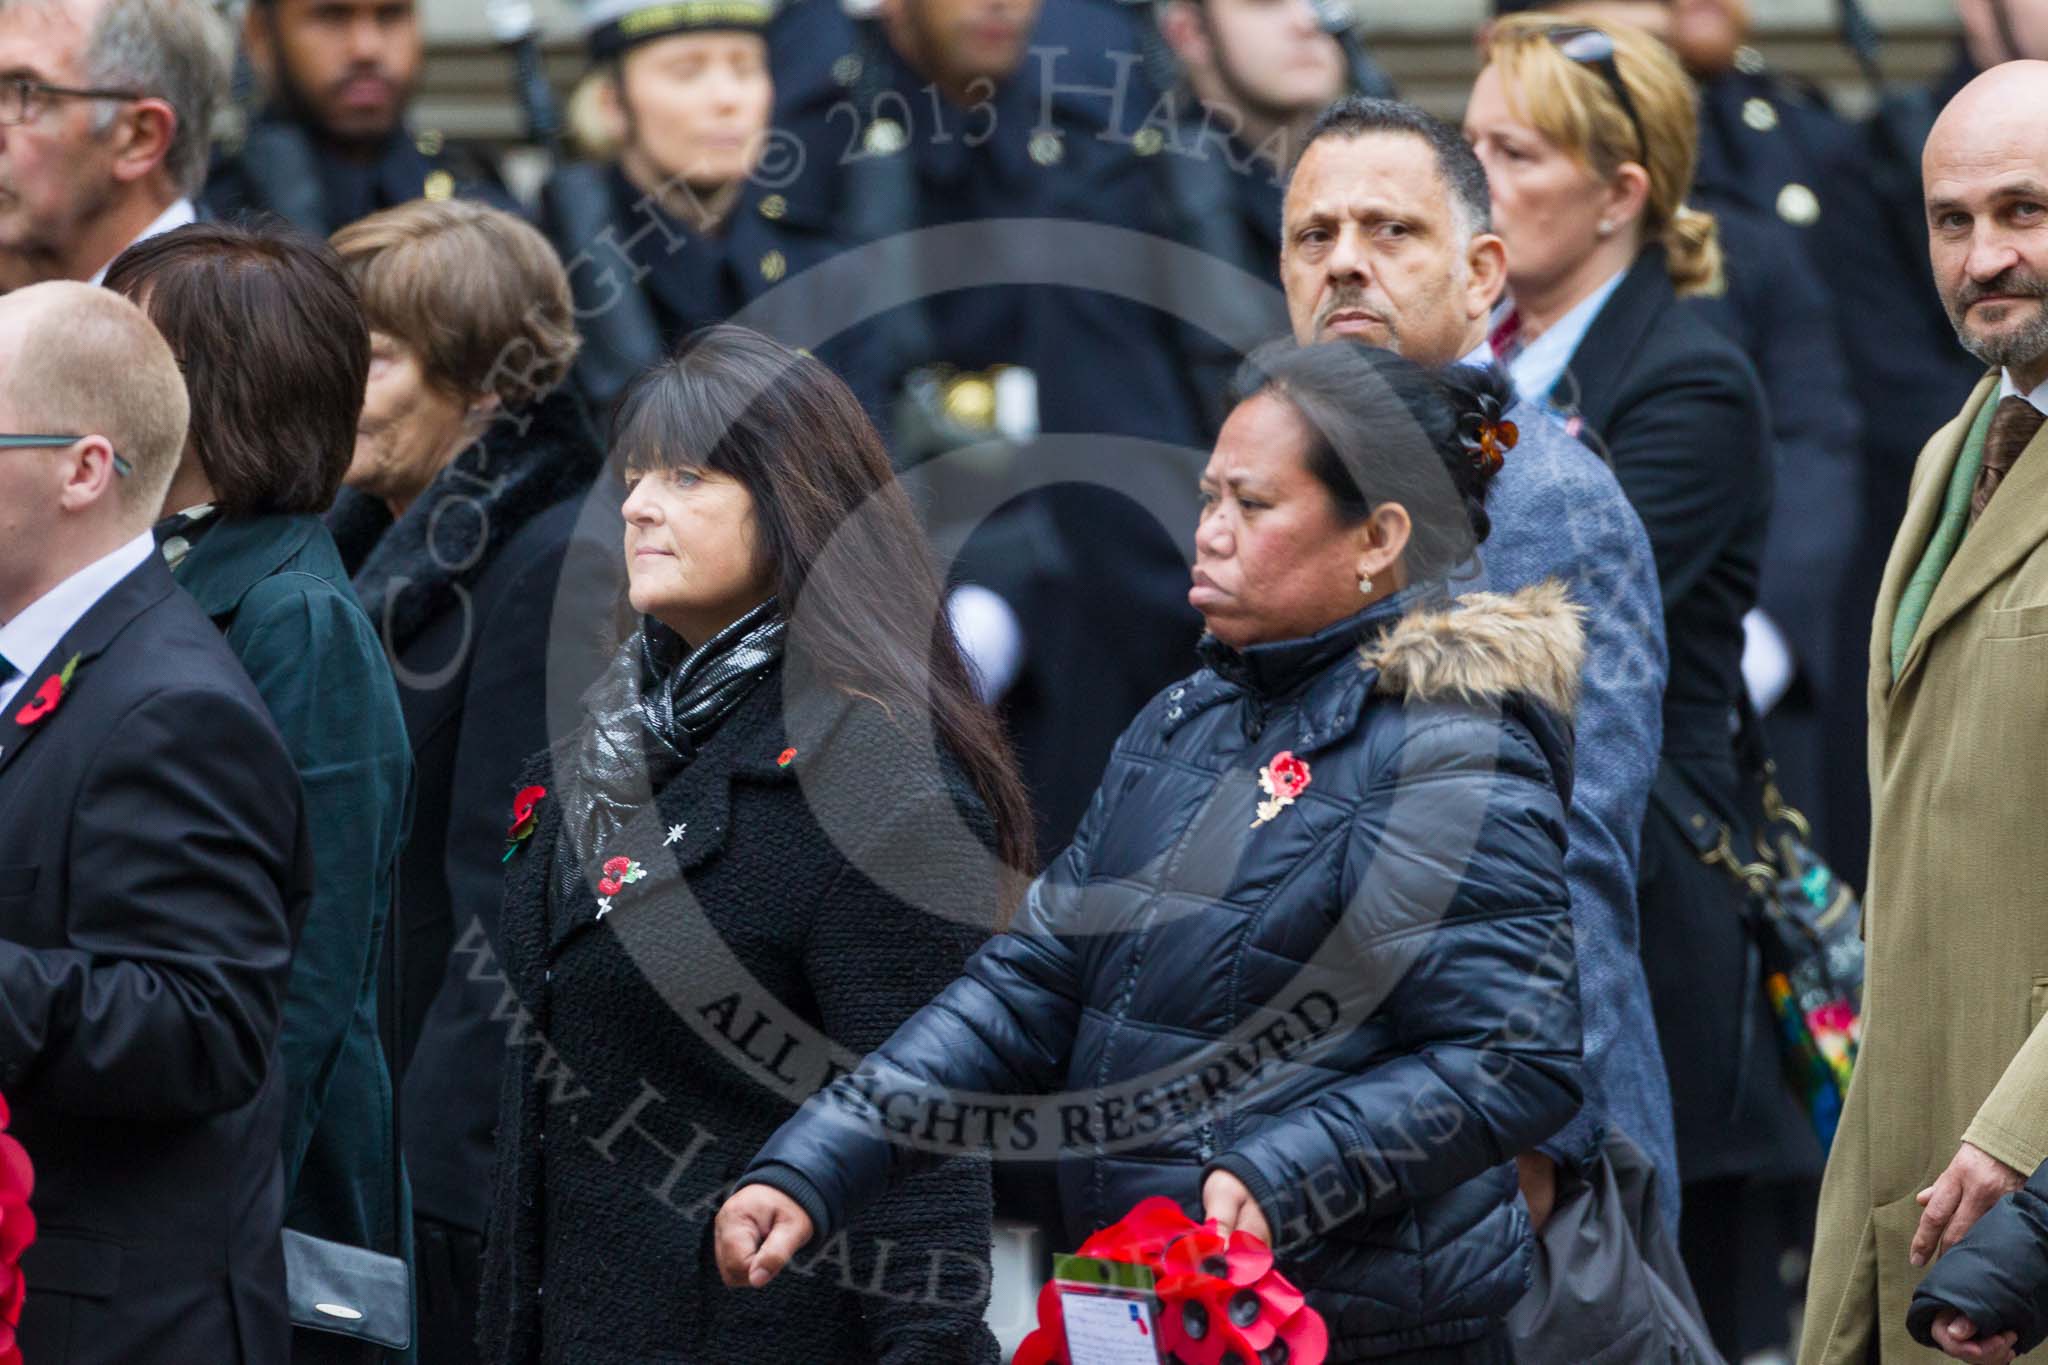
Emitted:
pixel 1365 584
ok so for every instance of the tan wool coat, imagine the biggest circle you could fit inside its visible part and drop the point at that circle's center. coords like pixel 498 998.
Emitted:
pixel 1956 910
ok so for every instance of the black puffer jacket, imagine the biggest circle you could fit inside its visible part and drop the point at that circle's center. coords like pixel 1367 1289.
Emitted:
pixel 1363 1006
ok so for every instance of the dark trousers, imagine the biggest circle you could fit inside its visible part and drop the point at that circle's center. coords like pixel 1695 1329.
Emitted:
pixel 448 1271
pixel 1734 1235
pixel 326 1348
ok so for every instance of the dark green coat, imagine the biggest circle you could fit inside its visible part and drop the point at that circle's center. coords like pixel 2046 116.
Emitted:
pixel 276 588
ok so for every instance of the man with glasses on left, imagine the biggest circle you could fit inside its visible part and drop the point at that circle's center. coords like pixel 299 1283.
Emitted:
pixel 105 112
pixel 155 869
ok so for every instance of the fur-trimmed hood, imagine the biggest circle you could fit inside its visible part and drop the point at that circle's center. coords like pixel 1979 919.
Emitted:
pixel 1486 646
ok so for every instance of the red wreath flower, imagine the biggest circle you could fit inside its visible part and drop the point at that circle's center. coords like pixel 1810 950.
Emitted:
pixel 45 701
pixel 785 758
pixel 1217 1295
pixel 523 822
pixel 17 1232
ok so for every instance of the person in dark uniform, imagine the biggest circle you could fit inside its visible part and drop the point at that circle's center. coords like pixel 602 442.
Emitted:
pixel 1255 73
pixel 1023 132
pixel 689 225
pixel 331 144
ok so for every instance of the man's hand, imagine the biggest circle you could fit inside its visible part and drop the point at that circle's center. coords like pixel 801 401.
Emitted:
pixel 757 1231
pixel 1973 1182
pixel 1957 1337
pixel 1538 1176
pixel 1225 1199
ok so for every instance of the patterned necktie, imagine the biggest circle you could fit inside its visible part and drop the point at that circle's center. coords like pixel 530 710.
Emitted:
pixel 2012 427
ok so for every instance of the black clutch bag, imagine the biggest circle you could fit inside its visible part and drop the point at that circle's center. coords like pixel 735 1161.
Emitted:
pixel 350 1291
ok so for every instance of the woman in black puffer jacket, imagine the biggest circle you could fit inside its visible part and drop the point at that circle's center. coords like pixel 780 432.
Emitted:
pixel 1330 1006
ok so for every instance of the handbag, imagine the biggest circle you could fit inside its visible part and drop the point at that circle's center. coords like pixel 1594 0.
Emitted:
pixel 1806 923
pixel 347 1290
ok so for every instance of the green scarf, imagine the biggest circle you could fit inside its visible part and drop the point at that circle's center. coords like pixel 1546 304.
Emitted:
pixel 1941 546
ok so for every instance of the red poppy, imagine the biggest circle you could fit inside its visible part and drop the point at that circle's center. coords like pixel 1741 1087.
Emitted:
pixel 785 758
pixel 17 1232
pixel 522 810
pixel 48 695
pixel 614 867
pixel 1290 774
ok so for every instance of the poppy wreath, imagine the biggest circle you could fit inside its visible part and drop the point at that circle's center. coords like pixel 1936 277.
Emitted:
pixel 1221 1302
pixel 17 1231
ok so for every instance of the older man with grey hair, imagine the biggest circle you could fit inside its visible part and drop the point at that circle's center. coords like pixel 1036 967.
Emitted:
pixel 105 112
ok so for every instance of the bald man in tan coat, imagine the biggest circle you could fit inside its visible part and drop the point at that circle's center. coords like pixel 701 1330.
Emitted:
pixel 1949 1108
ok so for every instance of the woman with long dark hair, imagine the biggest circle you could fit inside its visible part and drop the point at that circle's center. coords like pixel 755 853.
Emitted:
pixel 726 884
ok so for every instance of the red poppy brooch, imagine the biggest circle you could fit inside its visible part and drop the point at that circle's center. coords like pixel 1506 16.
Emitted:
pixel 48 696
pixel 1283 779
pixel 619 873
pixel 523 819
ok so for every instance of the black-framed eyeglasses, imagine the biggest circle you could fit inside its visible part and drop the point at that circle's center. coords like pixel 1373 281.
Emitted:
pixel 1591 48
pixel 21 98
pixel 121 466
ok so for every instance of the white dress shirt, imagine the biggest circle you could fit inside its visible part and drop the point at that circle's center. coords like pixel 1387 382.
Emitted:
pixel 1540 364
pixel 2007 389
pixel 28 639
pixel 176 216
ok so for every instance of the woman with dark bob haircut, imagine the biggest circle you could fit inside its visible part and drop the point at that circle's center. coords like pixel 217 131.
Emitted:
pixel 1307 967
pixel 782 824
pixel 267 329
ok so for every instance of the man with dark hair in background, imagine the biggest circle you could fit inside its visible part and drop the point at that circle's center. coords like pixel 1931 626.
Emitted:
pixel 331 144
pixel 107 106
pixel 1259 72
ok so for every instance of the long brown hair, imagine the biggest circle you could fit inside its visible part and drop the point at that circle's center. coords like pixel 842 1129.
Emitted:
pixel 789 430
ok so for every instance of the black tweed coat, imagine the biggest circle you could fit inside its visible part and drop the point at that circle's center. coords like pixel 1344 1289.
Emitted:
pixel 794 894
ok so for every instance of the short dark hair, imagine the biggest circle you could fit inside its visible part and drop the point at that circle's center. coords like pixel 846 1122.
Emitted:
pixel 268 330
pixel 1357 115
pixel 1384 429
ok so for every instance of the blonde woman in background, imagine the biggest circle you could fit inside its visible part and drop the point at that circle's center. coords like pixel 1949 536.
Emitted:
pixel 1589 137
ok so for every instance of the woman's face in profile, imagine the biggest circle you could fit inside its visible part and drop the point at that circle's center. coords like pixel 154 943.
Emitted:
pixel 1273 561
pixel 409 428
pixel 1546 206
pixel 693 558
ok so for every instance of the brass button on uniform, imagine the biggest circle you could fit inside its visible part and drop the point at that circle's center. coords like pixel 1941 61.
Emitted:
pixel 439 185
pixel 1759 114
pixel 1749 61
pixel 774 266
pixel 1047 148
pixel 846 70
pixel 884 137
pixel 970 401
pixel 429 141
pixel 1148 142
pixel 1798 205
pixel 774 206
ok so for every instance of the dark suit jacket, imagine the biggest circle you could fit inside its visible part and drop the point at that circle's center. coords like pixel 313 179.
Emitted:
pixel 154 872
